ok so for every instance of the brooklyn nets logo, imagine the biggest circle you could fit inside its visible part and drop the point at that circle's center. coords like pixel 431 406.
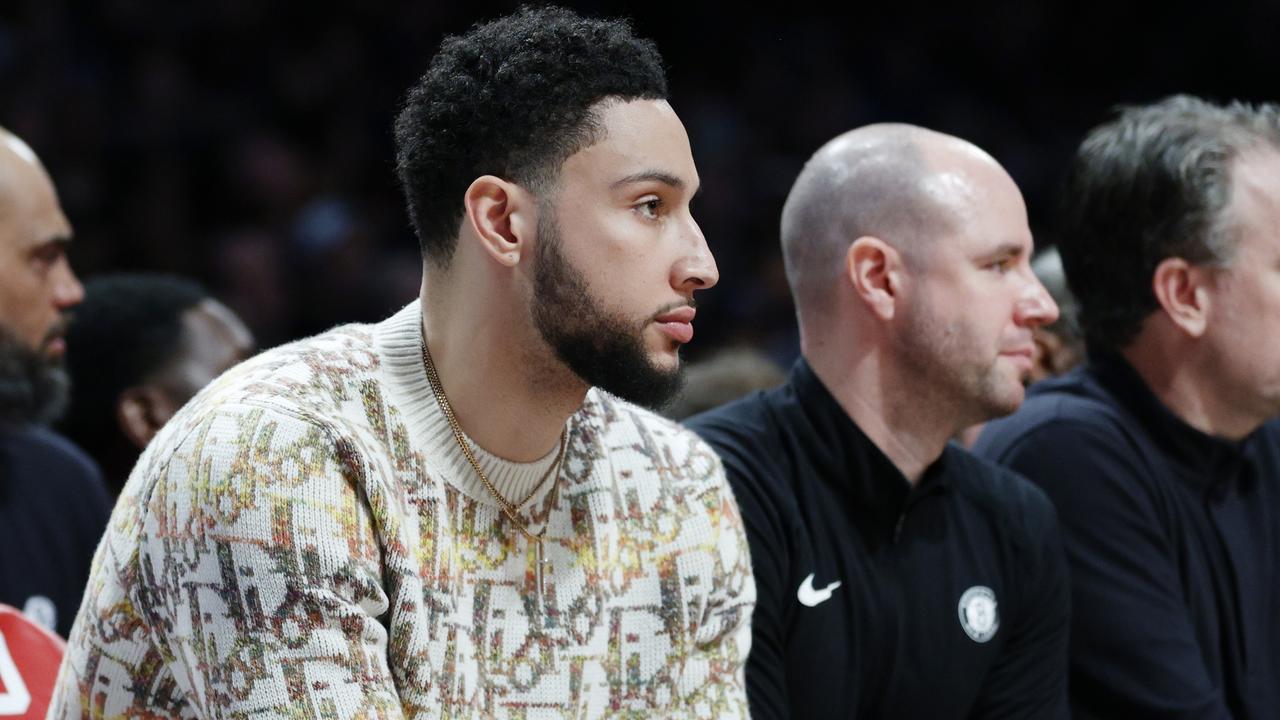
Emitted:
pixel 978 614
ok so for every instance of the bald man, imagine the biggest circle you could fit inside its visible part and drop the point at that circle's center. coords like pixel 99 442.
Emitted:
pixel 53 505
pixel 899 576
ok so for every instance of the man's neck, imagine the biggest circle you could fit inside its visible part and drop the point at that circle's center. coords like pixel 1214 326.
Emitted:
pixel 1189 389
pixel 509 399
pixel 889 410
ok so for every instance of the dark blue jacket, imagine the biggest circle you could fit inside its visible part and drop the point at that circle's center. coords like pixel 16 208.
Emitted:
pixel 1173 541
pixel 53 511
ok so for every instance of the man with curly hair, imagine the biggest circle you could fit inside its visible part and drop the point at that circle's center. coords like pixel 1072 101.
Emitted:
pixel 458 511
pixel 1162 453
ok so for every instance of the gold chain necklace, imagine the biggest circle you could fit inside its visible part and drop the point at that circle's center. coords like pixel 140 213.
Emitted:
pixel 509 509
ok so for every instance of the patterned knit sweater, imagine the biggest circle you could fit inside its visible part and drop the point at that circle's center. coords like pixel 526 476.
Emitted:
pixel 305 539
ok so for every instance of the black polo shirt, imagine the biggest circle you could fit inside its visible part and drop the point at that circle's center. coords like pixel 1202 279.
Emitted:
pixel 879 600
pixel 1173 541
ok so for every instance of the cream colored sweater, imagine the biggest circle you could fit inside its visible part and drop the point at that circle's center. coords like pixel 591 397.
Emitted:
pixel 305 539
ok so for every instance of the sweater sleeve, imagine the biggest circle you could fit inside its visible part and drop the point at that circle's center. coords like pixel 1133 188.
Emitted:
pixel 766 671
pixel 1134 651
pixel 712 682
pixel 264 578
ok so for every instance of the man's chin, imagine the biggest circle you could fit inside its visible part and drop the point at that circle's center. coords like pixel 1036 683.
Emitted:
pixel 1007 402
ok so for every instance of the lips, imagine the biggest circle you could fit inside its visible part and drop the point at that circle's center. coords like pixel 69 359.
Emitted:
pixel 55 346
pixel 677 324
pixel 1024 356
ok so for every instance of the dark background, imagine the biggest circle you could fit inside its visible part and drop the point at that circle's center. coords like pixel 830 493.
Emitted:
pixel 247 143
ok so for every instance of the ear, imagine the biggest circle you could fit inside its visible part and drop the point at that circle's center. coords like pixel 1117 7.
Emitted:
pixel 140 412
pixel 502 216
pixel 1183 293
pixel 873 268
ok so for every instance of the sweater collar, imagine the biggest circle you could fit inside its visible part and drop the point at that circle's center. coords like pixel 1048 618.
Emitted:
pixel 398 341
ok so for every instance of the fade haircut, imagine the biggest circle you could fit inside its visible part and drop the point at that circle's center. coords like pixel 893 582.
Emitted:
pixel 1151 184
pixel 512 98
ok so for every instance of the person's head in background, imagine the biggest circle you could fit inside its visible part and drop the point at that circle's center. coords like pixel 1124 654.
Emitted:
pixel 725 376
pixel 1170 237
pixel 1059 345
pixel 37 288
pixel 140 347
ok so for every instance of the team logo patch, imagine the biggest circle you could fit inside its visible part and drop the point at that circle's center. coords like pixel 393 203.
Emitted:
pixel 978 614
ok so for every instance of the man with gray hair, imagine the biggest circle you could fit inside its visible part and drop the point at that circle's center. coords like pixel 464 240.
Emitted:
pixel 1158 453
pixel 897 575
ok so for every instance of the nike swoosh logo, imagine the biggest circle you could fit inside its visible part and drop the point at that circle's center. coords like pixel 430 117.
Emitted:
pixel 811 597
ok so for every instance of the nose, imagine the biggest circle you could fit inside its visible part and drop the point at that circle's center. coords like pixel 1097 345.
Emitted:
pixel 696 269
pixel 67 291
pixel 1035 306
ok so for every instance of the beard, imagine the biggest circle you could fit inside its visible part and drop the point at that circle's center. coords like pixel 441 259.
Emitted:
pixel 33 388
pixel 954 373
pixel 603 349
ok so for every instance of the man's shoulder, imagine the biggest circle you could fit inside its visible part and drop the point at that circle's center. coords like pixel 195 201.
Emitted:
pixel 55 463
pixel 617 417
pixel 745 429
pixel 314 384
pixel 1073 403
pixel 308 370
pixel 315 375
pixel 34 441
pixel 628 432
pixel 1002 492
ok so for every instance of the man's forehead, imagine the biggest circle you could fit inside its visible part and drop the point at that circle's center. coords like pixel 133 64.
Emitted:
pixel 29 210
pixel 640 141
pixel 1256 176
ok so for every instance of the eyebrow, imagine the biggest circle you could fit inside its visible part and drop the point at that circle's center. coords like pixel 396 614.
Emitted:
pixel 1009 248
pixel 63 241
pixel 660 176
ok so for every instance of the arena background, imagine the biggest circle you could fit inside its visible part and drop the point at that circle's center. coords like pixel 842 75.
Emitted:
pixel 247 143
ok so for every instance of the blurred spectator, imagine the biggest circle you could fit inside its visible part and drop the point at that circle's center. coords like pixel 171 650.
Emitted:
pixel 53 506
pixel 156 132
pixel 725 376
pixel 1060 346
pixel 139 348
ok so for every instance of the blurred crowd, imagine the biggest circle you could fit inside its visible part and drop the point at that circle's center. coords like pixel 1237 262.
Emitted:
pixel 247 145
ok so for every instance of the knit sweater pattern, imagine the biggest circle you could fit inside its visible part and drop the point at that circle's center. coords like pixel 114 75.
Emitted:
pixel 305 539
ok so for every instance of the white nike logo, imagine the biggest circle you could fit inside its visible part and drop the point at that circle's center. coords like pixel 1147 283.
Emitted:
pixel 810 597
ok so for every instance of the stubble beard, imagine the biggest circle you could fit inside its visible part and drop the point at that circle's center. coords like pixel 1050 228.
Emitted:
pixel 937 354
pixel 603 349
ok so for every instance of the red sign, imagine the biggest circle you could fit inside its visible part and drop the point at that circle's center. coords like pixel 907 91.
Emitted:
pixel 29 659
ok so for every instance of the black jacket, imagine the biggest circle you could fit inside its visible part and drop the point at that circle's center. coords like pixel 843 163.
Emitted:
pixel 1173 541
pixel 952 596
pixel 53 511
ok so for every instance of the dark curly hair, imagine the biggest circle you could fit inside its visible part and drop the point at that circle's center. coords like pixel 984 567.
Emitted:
pixel 1151 184
pixel 512 98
